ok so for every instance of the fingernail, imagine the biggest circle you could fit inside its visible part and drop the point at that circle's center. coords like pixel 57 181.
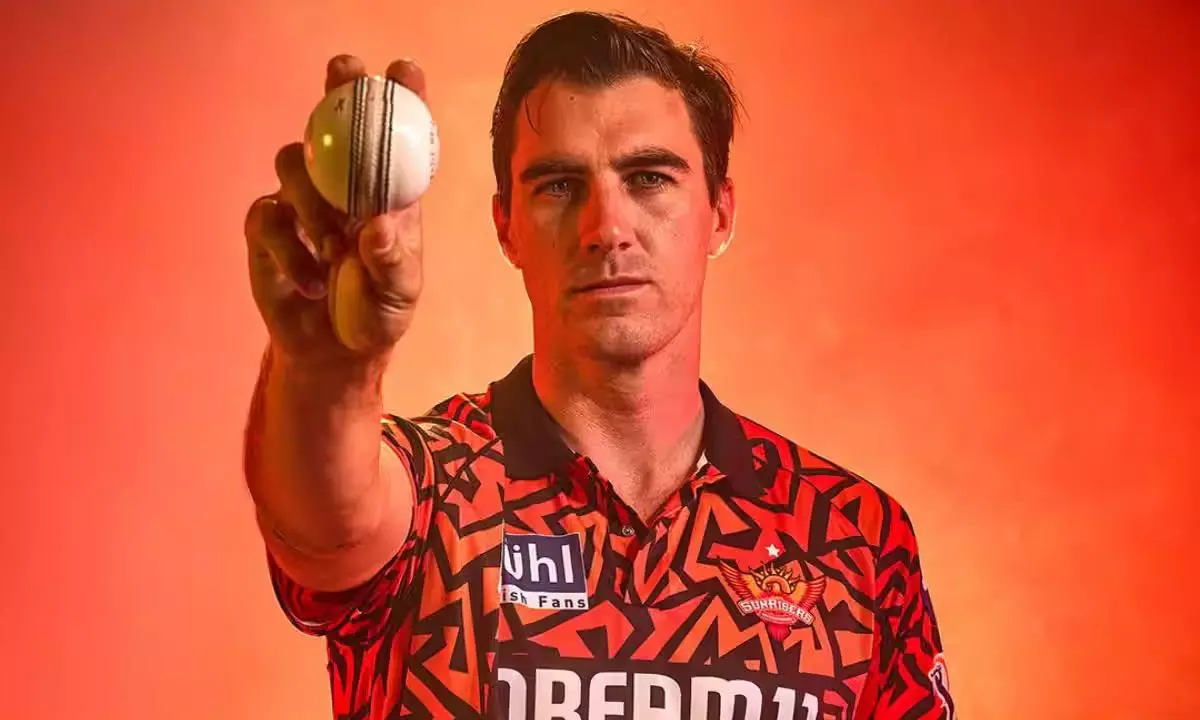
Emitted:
pixel 384 241
pixel 379 239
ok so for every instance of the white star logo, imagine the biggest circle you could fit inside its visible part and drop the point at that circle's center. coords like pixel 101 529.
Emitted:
pixel 773 551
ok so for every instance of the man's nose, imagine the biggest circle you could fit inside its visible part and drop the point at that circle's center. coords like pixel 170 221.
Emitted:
pixel 605 219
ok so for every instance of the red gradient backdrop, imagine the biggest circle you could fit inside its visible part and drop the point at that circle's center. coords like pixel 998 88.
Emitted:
pixel 965 267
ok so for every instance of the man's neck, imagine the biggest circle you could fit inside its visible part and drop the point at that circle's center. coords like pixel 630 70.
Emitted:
pixel 641 426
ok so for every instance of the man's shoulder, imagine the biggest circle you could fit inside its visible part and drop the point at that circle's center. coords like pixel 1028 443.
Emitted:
pixel 468 406
pixel 464 417
pixel 873 511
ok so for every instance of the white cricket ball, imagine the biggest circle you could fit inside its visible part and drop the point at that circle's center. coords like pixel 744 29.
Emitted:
pixel 371 146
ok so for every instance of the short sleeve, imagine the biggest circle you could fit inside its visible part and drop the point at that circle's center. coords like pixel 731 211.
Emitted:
pixel 361 614
pixel 908 679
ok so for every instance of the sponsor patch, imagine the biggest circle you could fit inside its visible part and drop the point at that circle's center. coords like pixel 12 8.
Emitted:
pixel 545 572
pixel 652 691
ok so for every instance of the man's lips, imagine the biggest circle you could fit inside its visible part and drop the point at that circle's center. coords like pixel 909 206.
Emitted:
pixel 612 283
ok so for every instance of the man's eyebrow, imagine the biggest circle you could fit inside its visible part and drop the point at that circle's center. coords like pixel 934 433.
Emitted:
pixel 553 165
pixel 651 156
pixel 644 157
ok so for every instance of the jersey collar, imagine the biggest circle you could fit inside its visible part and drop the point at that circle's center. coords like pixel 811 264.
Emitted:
pixel 533 445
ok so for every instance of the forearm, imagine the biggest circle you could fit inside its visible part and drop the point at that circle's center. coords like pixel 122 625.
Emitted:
pixel 313 454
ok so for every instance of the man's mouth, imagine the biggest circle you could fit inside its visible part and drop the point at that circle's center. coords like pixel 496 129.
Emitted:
pixel 621 282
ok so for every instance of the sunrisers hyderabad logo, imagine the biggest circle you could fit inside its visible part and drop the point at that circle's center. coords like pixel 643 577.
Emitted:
pixel 780 597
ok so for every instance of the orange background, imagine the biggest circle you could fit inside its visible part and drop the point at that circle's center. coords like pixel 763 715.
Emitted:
pixel 965 267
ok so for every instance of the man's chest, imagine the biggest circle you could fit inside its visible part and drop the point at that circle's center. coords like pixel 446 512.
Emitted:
pixel 717 609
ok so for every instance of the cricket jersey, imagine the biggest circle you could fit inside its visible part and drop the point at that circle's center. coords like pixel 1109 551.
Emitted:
pixel 772 585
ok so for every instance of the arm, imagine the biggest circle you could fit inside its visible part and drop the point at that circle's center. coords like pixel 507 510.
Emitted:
pixel 336 511
pixel 333 508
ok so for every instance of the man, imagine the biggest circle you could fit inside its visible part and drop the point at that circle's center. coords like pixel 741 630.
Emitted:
pixel 594 535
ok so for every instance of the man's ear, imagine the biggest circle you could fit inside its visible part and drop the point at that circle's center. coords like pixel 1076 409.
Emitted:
pixel 500 219
pixel 724 220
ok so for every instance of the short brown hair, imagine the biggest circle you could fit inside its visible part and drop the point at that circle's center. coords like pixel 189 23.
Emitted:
pixel 598 49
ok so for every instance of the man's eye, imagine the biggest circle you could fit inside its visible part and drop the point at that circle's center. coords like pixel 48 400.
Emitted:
pixel 555 188
pixel 647 180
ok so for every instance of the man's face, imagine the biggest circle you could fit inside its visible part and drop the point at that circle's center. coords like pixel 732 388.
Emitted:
pixel 610 220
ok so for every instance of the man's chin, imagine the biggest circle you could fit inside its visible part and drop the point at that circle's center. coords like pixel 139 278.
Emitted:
pixel 621 341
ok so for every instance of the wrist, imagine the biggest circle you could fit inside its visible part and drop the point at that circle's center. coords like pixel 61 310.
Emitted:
pixel 340 374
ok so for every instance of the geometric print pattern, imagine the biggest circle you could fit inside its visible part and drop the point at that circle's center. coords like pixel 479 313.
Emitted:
pixel 773 584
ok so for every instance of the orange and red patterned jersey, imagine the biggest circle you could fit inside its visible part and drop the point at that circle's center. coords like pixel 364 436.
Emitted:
pixel 773 585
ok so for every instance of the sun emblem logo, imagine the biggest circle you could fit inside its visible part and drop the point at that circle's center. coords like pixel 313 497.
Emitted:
pixel 779 596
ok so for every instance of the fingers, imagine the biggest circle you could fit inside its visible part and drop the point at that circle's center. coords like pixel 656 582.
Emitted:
pixel 319 220
pixel 390 248
pixel 341 69
pixel 278 254
pixel 409 74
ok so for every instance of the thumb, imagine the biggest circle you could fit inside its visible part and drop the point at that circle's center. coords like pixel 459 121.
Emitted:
pixel 390 248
